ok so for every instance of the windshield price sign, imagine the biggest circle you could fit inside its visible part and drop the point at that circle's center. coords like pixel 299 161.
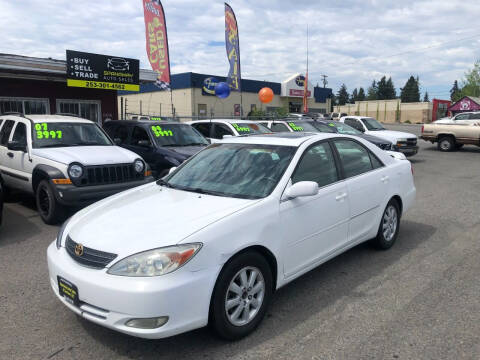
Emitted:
pixel 102 71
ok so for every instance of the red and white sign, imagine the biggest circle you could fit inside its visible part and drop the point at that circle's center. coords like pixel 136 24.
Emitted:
pixel 296 92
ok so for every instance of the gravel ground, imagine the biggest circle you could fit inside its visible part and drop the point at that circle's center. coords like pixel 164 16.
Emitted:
pixel 420 300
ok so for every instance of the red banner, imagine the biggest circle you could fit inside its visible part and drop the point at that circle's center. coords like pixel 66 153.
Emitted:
pixel 157 42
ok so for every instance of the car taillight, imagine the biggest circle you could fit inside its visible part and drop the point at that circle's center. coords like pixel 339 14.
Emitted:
pixel 422 129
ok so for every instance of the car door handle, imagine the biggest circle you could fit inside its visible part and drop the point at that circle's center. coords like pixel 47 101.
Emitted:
pixel 10 154
pixel 384 179
pixel 340 197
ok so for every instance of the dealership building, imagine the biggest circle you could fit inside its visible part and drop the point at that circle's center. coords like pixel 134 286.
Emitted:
pixel 31 85
pixel 192 98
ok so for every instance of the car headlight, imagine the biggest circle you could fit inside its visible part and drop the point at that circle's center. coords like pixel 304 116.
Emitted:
pixel 139 166
pixel 155 262
pixel 60 233
pixel 75 171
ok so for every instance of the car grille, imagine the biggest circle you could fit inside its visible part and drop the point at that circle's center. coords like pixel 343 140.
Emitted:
pixel 409 142
pixel 109 174
pixel 89 257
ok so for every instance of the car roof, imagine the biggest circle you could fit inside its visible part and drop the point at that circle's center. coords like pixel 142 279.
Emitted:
pixel 47 118
pixel 285 139
pixel 144 122
pixel 236 121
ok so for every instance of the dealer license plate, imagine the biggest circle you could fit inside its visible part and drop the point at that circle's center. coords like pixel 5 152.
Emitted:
pixel 68 290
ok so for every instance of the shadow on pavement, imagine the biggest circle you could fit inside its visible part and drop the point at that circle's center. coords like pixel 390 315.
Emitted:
pixel 16 227
pixel 291 305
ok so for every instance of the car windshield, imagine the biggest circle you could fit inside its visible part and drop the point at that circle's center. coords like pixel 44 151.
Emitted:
pixel 302 126
pixel 250 129
pixel 176 135
pixel 244 171
pixel 62 134
pixel 372 124
pixel 344 128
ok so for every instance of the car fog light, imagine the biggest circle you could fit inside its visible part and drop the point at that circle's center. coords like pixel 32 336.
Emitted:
pixel 147 323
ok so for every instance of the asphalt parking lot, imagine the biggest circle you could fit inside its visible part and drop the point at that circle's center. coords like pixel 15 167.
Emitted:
pixel 419 300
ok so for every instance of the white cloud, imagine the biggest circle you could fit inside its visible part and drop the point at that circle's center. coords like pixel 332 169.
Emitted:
pixel 352 41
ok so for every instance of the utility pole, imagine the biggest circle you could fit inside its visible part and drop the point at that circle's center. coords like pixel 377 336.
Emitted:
pixel 324 80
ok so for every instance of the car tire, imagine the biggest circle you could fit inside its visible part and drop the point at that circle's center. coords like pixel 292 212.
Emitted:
pixel 446 143
pixel 389 226
pixel 240 298
pixel 49 209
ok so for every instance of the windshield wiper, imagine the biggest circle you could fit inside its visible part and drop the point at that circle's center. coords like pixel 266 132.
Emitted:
pixel 162 182
pixel 203 191
pixel 192 144
pixel 54 145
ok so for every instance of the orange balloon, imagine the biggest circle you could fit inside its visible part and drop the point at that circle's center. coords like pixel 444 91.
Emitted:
pixel 265 95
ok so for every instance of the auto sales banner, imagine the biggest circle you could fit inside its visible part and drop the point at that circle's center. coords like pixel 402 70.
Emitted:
pixel 157 42
pixel 105 72
pixel 233 49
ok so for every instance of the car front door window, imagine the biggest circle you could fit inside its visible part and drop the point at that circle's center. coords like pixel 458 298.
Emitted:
pixel 140 137
pixel 220 130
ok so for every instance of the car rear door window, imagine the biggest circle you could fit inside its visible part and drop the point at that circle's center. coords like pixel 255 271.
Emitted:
pixel 203 128
pixel 139 134
pixel 475 116
pixel 121 132
pixel 354 157
pixel 219 130
pixel 279 127
pixel 317 164
pixel 5 132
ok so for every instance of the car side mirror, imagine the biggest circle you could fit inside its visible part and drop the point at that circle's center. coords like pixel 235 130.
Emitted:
pixel 143 143
pixel 117 141
pixel 302 188
pixel 172 169
pixel 17 146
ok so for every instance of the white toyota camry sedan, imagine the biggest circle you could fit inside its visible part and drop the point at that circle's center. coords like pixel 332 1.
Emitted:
pixel 212 241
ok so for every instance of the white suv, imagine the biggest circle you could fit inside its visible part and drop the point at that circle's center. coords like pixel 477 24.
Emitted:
pixel 64 161
pixel 466 118
pixel 216 129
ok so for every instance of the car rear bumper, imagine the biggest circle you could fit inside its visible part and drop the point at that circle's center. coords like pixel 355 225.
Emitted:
pixel 109 300
pixel 72 195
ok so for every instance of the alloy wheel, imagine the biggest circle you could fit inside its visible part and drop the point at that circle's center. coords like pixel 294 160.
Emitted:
pixel 390 222
pixel 244 296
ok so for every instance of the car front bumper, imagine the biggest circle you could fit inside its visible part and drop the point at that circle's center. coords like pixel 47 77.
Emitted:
pixel 407 150
pixel 72 195
pixel 110 300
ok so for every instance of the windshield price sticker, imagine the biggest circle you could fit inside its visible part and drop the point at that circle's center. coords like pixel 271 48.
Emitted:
pixel 331 124
pixel 295 127
pixel 44 133
pixel 157 131
pixel 241 128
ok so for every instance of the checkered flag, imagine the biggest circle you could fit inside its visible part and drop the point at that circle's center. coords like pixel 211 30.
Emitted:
pixel 162 85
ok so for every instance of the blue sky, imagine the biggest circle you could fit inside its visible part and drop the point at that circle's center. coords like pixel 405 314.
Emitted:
pixel 353 42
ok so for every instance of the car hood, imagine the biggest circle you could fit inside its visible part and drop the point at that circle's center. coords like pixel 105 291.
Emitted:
pixel 391 135
pixel 88 155
pixel 374 139
pixel 149 217
pixel 186 151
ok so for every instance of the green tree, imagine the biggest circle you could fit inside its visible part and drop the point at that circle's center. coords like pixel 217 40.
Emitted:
pixel 455 92
pixel 354 96
pixel 410 92
pixel 361 94
pixel 425 97
pixel 390 91
pixel 372 91
pixel 382 88
pixel 342 95
pixel 471 82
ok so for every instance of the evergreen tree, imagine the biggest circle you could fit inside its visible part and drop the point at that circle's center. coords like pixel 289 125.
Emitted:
pixel 372 91
pixel 471 82
pixel 342 95
pixel 390 91
pixel 410 92
pixel 455 93
pixel 354 96
pixel 425 97
pixel 382 89
pixel 361 94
